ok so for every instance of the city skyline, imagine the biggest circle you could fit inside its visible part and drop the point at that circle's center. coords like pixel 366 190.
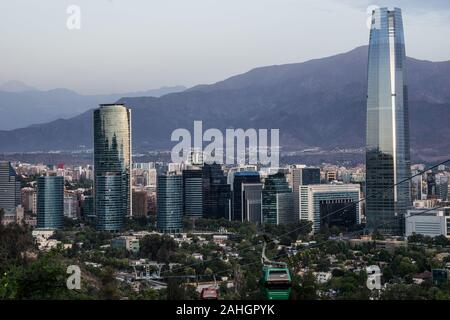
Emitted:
pixel 112 214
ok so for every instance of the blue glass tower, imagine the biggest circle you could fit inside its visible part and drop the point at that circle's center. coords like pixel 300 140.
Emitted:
pixel 277 201
pixel 50 202
pixel 387 131
pixel 193 193
pixel 112 166
pixel 169 195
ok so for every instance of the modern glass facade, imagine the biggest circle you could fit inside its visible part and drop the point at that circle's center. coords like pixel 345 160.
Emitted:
pixel 88 206
pixel 192 193
pixel 325 203
pixel 169 194
pixel 340 213
pixel 285 208
pixel 275 209
pixel 112 166
pixel 50 202
pixel 252 202
pixel 10 196
pixel 239 179
pixel 387 130
pixel 216 192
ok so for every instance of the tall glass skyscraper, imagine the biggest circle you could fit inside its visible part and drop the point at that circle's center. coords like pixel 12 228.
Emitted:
pixel 112 165
pixel 193 193
pixel 387 135
pixel 169 195
pixel 216 192
pixel 9 187
pixel 239 179
pixel 277 201
pixel 50 202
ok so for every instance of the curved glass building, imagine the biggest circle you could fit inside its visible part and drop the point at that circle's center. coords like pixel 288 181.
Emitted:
pixel 387 134
pixel 50 202
pixel 112 165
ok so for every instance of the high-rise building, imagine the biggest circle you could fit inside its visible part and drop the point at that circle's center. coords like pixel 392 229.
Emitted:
pixel 193 193
pixel 441 186
pixel 169 202
pixel 285 208
pixel 216 192
pixel 431 185
pixel 50 202
pixel 387 130
pixel 252 202
pixel 302 177
pixel 277 207
pixel 10 196
pixel 416 185
pixel 71 205
pixel 112 165
pixel 140 203
pixel 238 179
pixel 88 207
pixel 28 199
pixel 331 205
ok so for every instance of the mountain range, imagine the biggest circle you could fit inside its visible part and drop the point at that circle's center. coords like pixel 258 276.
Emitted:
pixel 22 105
pixel 317 103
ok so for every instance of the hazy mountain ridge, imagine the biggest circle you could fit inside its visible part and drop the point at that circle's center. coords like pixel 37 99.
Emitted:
pixel 318 103
pixel 22 105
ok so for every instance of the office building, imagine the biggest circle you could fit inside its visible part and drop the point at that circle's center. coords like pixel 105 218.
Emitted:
pixel 216 192
pixel 239 179
pixel 88 206
pixel 330 205
pixel 416 185
pixel 71 206
pixel 169 203
pixel 28 200
pixel 442 186
pixel 193 193
pixel 252 202
pixel 285 208
pixel 10 196
pixel 140 203
pixel 431 185
pixel 331 176
pixel 50 202
pixel 277 201
pixel 302 177
pixel 431 223
pixel 112 165
pixel 387 130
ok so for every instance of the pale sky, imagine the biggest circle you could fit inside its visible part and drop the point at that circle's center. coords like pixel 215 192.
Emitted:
pixel 131 45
